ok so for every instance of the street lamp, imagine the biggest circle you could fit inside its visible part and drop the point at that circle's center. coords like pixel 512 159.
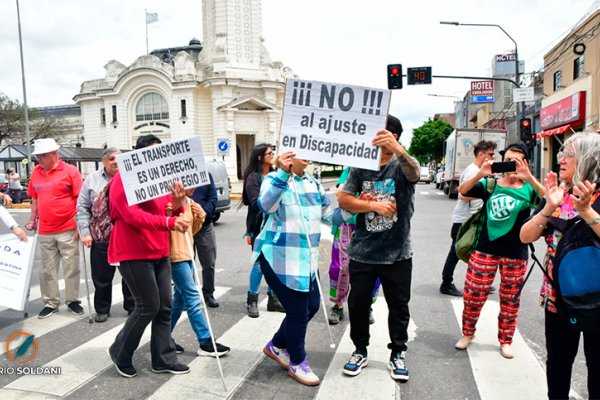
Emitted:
pixel 502 29
pixel 444 95
pixel 25 108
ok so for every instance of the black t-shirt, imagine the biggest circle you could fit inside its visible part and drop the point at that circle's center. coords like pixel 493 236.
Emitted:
pixel 498 205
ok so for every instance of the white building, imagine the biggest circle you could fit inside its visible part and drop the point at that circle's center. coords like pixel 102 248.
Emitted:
pixel 224 89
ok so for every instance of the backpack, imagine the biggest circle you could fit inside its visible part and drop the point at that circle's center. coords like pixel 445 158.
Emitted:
pixel 576 273
pixel 468 234
pixel 100 222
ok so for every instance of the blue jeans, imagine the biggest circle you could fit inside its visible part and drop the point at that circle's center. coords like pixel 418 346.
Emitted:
pixel 255 278
pixel 300 307
pixel 187 295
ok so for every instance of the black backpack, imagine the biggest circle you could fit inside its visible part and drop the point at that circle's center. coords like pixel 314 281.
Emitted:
pixel 576 272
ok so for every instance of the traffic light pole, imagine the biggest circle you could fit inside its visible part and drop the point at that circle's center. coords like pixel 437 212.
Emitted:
pixel 484 78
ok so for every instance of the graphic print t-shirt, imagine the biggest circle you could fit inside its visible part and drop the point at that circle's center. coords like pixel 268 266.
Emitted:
pixel 507 209
pixel 379 239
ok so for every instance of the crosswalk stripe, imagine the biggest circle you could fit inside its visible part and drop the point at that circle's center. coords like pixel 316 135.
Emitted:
pixel 35 292
pixel 204 380
pixel 440 193
pixel 78 366
pixel 497 377
pixel 41 327
pixel 424 193
pixel 374 382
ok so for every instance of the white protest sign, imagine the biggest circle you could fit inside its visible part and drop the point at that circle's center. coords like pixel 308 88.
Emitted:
pixel 147 172
pixel 16 264
pixel 333 123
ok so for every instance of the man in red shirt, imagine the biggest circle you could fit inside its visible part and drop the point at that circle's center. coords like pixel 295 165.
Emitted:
pixel 53 188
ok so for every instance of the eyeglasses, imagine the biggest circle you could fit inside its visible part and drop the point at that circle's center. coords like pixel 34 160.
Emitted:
pixel 565 154
pixel 269 154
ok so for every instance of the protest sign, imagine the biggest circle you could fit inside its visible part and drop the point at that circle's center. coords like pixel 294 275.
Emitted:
pixel 333 123
pixel 147 172
pixel 16 264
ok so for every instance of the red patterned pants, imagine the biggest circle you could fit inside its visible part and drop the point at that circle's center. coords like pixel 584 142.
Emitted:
pixel 480 275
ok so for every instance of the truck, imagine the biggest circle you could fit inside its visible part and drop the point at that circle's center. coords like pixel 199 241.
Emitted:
pixel 459 153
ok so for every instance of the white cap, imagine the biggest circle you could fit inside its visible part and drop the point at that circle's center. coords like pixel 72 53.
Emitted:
pixel 43 146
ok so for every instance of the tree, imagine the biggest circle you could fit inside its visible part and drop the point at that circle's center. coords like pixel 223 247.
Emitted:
pixel 12 123
pixel 427 143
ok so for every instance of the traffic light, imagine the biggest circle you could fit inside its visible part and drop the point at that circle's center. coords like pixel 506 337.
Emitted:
pixel 394 76
pixel 525 129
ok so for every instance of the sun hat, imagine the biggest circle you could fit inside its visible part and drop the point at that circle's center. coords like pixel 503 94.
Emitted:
pixel 43 146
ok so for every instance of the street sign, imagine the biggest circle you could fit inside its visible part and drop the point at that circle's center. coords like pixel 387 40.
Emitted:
pixel 523 94
pixel 482 91
pixel 418 76
pixel 223 147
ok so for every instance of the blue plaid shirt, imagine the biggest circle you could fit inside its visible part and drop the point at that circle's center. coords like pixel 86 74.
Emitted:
pixel 282 240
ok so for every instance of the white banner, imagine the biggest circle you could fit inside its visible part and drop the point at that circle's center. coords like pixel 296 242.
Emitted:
pixel 523 94
pixel 147 172
pixel 16 264
pixel 333 123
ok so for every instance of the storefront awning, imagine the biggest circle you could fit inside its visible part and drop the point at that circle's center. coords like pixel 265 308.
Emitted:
pixel 555 131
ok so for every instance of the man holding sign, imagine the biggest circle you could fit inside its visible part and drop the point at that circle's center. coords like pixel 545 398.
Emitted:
pixel 381 246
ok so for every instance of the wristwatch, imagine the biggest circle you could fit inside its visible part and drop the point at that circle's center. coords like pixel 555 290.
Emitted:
pixel 595 221
pixel 14 226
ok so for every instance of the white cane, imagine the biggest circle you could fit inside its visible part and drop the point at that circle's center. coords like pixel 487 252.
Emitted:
pixel 87 284
pixel 313 267
pixel 212 336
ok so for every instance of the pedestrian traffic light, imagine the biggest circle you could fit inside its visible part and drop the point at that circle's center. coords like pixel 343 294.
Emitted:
pixel 394 76
pixel 525 129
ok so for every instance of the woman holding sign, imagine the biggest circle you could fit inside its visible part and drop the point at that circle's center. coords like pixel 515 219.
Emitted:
pixel 8 220
pixel 294 204
pixel 139 245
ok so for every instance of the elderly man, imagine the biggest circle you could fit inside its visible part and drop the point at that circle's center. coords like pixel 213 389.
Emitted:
pixel 53 188
pixel 102 272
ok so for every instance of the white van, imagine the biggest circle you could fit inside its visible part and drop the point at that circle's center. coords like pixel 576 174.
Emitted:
pixel 219 173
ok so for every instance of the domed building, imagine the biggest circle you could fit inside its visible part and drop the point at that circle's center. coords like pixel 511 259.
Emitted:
pixel 225 90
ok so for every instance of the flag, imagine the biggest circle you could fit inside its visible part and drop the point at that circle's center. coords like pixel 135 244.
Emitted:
pixel 151 17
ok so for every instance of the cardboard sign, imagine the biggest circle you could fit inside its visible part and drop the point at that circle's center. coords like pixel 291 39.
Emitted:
pixel 16 264
pixel 333 123
pixel 147 172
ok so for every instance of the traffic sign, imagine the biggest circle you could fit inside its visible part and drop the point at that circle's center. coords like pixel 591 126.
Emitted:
pixel 223 146
pixel 523 94
pixel 418 76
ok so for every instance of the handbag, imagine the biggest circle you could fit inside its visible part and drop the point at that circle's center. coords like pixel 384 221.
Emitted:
pixel 468 234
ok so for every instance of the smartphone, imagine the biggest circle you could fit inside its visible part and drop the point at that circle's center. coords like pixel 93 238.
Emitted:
pixel 504 166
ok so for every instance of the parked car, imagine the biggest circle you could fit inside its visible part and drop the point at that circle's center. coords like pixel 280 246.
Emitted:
pixel 219 173
pixel 439 179
pixel 425 176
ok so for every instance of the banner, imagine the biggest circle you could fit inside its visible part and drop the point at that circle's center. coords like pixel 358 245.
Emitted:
pixel 16 264
pixel 147 172
pixel 333 123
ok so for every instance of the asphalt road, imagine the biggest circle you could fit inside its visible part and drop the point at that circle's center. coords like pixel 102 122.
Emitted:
pixel 438 371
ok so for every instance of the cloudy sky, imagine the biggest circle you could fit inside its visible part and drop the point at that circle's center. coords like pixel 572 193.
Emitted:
pixel 67 42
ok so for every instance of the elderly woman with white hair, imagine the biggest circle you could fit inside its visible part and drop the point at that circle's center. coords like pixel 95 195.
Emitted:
pixel 575 196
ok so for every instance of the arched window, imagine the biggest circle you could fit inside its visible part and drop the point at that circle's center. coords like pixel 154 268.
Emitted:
pixel 152 107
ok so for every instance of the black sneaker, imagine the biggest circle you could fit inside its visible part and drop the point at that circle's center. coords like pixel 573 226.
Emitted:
pixel 127 372
pixel 175 369
pixel 355 364
pixel 206 349
pixel 337 314
pixel 101 317
pixel 211 301
pixel 397 366
pixel 179 349
pixel 450 290
pixel 75 308
pixel 47 312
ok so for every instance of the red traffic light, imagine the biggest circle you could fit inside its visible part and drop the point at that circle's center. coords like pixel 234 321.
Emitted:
pixel 525 122
pixel 394 71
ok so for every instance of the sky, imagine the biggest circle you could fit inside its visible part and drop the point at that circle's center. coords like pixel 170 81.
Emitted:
pixel 66 42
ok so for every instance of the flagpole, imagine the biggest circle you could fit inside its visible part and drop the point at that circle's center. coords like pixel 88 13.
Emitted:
pixel 146 20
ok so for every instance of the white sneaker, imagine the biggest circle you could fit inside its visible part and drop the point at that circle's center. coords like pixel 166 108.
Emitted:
pixel 464 342
pixel 303 374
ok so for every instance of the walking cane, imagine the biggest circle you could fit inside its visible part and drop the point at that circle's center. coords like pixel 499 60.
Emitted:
pixel 212 336
pixel 87 285
pixel 313 267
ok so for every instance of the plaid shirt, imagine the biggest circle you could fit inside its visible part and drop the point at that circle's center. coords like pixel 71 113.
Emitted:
pixel 282 241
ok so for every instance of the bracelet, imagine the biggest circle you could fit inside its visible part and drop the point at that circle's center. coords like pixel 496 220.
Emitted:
pixel 168 227
pixel 542 227
pixel 14 226
pixel 544 215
